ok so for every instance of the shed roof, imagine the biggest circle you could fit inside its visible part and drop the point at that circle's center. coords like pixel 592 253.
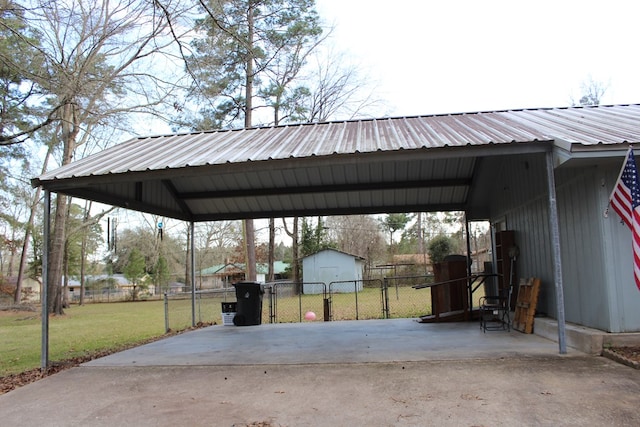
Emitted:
pixel 403 164
pixel 357 257
pixel 279 267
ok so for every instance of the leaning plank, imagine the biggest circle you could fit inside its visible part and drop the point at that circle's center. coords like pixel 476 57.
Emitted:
pixel 526 305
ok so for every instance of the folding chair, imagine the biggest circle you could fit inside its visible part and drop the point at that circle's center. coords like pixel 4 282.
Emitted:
pixel 495 310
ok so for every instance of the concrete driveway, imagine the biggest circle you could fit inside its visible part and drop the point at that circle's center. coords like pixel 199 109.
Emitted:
pixel 360 373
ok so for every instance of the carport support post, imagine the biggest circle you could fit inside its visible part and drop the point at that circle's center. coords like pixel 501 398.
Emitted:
pixel 469 258
pixel 555 252
pixel 193 274
pixel 44 357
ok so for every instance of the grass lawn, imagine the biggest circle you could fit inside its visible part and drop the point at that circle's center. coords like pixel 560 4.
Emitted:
pixel 96 328
pixel 81 331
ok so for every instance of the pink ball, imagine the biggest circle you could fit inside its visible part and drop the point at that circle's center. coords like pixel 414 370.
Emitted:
pixel 310 315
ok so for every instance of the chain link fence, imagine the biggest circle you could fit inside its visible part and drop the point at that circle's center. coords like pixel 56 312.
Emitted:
pixel 357 299
pixel 406 301
pixel 207 306
pixel 288 302
pixel 403 301
pixel 103 295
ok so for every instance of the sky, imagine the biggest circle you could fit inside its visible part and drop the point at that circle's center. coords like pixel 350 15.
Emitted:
pixel 447 56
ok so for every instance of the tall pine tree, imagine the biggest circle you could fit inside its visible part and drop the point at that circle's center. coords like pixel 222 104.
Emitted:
pixel 244 46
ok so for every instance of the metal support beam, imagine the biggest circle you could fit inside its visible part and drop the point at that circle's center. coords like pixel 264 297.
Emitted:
pixel 317 189
pixel 193 274
pixel 44 357
pixel 555 252
pixel 469 281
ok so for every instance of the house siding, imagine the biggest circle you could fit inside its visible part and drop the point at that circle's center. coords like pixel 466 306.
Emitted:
pixel 520 199
pixel 617 260
pixel 579 209
pixel 591 245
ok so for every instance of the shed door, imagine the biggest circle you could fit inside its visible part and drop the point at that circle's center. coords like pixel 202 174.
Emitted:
pixel 328 274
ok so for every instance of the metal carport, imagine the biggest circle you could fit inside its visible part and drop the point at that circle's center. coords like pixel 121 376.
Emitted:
pixel 405 164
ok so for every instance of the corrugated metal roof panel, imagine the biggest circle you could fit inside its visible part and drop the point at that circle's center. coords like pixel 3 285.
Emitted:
pixel 359 166
pixel 584 125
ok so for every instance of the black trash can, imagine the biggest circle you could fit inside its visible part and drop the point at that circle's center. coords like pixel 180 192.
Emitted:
pixel 249 303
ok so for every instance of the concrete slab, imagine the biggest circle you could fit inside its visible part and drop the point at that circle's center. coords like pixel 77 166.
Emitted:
pixel 374 373
pixel 361 341
pixel 581 338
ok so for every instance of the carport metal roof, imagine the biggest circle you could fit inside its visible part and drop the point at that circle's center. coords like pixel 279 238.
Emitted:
pixel 424 163
pixel 405 164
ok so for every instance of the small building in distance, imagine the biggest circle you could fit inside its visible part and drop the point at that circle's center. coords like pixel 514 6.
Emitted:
pixel 330 265
pixel 225 275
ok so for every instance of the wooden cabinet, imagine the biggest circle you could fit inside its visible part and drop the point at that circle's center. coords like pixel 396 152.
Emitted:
pixel 504 241
pixel 452 296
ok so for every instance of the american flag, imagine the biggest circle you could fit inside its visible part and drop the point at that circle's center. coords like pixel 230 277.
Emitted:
pixel 625 200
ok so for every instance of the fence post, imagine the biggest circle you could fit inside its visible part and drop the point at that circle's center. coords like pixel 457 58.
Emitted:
pixel 300 289
pixel 271 314
pixel 326 304
pixel 355 289
pixel 166 313
pixel 385 298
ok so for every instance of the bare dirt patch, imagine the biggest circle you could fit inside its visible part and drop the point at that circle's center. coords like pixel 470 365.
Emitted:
pixel 629 356
pixel 11 310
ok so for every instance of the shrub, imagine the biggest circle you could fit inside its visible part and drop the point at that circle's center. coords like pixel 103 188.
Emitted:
pixel 439 247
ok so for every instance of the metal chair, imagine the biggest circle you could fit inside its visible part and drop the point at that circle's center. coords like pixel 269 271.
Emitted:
pixel 495 310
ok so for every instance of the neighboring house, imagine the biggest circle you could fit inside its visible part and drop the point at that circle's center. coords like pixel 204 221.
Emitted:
pixel 178 288
pixel 422 261
pixel 411 259
pixel 409 264
pixel 279 270
pixel 328 266
pixel 30 288
pixel 220 276
pixel 225 275
pixel 120 289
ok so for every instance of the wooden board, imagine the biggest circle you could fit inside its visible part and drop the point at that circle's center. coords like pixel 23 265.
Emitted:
pixel 451 316
pixel 528 291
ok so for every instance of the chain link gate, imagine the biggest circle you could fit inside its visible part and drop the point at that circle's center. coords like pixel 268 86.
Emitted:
pixel 288 301
pixel 390 297
pixel 356 299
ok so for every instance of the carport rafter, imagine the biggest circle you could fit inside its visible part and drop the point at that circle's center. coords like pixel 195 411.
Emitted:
pixel 331 211
pixel 337 188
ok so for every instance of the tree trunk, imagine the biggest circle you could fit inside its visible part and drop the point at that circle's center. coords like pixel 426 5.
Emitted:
pixel 249 229
pixel 294 236
pixel 56 251
pixel 250 250
pixel 296 251
pixel 272 249
pixel 12 252
pixel 56 255
pixel 83 250
pixel 27 233
pixel 17 296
